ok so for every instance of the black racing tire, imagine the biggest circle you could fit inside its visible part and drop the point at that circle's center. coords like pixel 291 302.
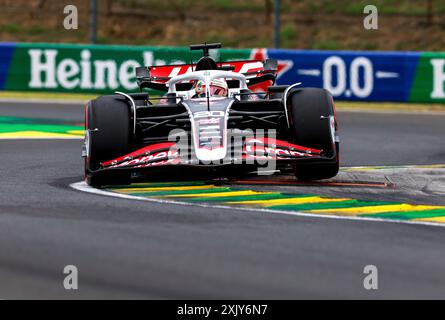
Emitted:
pixel 108 124
pixel 309 111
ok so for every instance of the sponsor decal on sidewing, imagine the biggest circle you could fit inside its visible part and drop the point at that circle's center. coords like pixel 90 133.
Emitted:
pixel 167 154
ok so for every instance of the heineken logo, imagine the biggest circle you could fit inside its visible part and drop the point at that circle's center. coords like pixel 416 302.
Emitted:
pixel 83 72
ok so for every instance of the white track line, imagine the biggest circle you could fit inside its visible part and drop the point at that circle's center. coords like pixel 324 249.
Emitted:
pixel 82 186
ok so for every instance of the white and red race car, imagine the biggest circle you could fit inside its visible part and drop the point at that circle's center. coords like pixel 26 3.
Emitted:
pixel 210 121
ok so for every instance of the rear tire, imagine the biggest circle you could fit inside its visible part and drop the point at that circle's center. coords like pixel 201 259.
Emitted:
pixel 109 135
pixel 306 108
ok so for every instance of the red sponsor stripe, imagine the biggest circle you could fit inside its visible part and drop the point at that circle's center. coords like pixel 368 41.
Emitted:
pixel 284 153
pixel 255 148
pixel 141 152
pixel 270 142
pixel 147 160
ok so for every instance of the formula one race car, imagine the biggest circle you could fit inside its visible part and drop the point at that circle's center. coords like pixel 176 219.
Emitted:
pixel 210 121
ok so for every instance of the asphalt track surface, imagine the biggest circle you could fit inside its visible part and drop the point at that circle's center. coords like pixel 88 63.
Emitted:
pixel 135 249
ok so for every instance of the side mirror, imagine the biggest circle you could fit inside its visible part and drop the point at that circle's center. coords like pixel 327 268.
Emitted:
pixel 142 72
pixel 270 64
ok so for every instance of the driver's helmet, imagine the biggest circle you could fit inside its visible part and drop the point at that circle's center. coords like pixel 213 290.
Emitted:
pixel 218 87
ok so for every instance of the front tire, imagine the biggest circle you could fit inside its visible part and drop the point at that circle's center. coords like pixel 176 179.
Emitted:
pixel 108 125
pixel 311 111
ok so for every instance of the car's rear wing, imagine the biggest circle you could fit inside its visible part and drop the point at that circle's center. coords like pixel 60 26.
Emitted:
pixel 256 71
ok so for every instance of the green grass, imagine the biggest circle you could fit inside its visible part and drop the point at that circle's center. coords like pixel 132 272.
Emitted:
pixel 33 30
pixel 288 35
pixel 10 28
pixel 259 13
pixel 245 5
pixel 158 5
pixel 325 44
pixel 367 46
pixel 385 7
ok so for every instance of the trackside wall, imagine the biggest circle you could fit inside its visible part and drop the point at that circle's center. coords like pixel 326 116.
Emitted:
pixel 349 75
